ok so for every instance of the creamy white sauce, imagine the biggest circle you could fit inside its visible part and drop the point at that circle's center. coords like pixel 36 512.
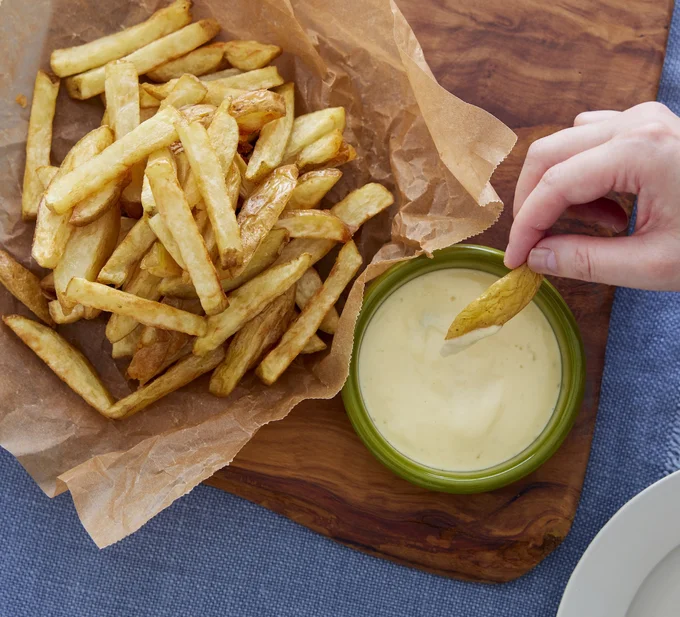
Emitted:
pixel 468 411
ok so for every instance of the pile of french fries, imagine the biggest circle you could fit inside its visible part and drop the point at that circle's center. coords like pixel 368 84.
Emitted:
pixel 191 214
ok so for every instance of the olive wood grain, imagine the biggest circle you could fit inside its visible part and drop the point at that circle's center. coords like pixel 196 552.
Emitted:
pixel 535 65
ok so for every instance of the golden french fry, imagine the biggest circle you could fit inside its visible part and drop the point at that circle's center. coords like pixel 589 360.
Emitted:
pixel 97 204
pixel 24 286
pixel 122 97
pixel 262 209
pixel 223 133
pixel 252 110
pixel 202 112
pixel 52 231
pixel 159 262
pixel 346 154
pixel 251 342
pixel 498 304
pixel 177 216
pixel 160 51
pixel 314 224
pixel 88 249
pixel 148 201
pixel 157 132
pixel 72 60
pixel 308 285
pixel 188 90
pixel 127 254
pixel 247 187
pixel 38 142
pixel 143 284
pixel 126 225
pixel 127 346
pixel 248 301
pixel 271 144
pixel 266 254
pixel 260 79
pixel 205 166
pixel 310 127
pixel 221 74
pixel 313 345
pixel 47 287
pixel 61 318
pixel 69 364
pixel 203 60
pixel 178 375
pixel 166 238
pixel 46 174
pixel 250 55
pixel 148 312
pixel 312 188
pixel 305 326
pixel 362 204
pixel 321 151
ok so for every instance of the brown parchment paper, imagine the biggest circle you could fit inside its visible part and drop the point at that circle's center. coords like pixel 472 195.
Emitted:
pixel 435 152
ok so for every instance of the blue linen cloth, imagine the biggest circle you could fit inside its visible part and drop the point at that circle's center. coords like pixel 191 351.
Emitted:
pixel 214 554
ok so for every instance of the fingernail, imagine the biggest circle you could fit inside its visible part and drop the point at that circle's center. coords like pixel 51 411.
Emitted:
pixel 542 260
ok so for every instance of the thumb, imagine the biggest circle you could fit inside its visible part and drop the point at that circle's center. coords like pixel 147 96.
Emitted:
pixel 622 261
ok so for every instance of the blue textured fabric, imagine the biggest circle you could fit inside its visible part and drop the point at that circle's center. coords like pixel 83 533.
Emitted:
pixel 214 554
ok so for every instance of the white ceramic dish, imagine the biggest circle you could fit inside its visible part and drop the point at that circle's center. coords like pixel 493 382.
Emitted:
pixel 632 567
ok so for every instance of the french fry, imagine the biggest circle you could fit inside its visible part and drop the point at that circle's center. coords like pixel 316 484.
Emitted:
pixel 251 342
pixel 312 188
pixel 305 326
pixel 205 166
pixel 346 154
pixel 38 142
pixel 221 74
pixel 262 209
pixel 252 110
pixel 499 303
pixel 142 284
pixel 362 204
pixel 127 346
pixel 203 60
pixel 224 133
pixel 320 151
pixel 127 254
pixel 148 201
pixel 310 127
pixel 178 375
pixel 69 364
pixel 88 249
pixel 176 213
pixel 61 318
pixel 265 256
pixel 310 282
pixel 248 301
pixel 97 204
pixel 148 312
pixel 65 62
pixel 247 187
pixel 47 287
pixel 260 79
pixel 314 224
pixel 271 144
pixel 159 262
pixel 157 132
pixel 52 231
pixel 188 90
pixel 90 83
pixel 46 174
pixel 24 286
pixel 313 345
pixel 126 225
pixel 166 238
pixel 250 55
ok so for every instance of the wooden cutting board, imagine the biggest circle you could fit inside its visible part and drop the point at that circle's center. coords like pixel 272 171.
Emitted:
pixel 535 65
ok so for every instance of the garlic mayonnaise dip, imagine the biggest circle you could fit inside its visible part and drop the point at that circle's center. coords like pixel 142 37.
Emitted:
pixel 468 411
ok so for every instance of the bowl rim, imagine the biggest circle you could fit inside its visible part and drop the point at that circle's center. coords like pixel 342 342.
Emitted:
pixel 563 323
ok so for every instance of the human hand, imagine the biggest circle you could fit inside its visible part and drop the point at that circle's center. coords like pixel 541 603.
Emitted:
pixel 635 151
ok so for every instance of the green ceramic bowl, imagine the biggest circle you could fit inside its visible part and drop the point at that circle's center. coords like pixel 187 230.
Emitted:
pixel 568 404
